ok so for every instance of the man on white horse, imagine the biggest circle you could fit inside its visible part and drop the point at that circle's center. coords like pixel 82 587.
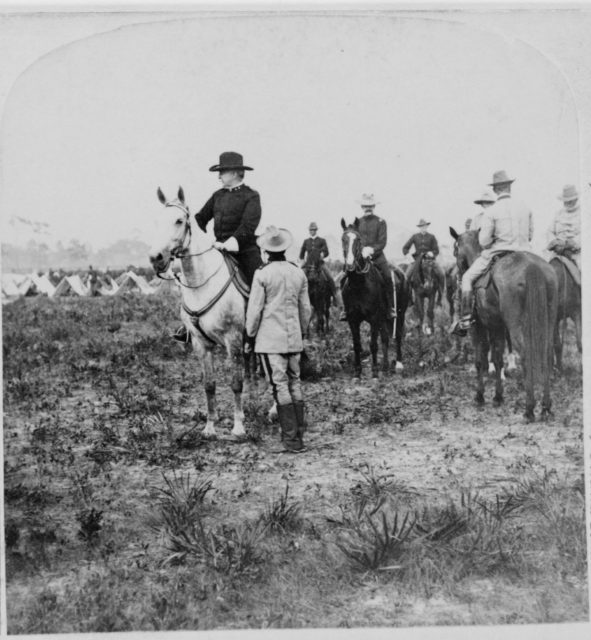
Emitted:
pixel 564 234
pixel 236 213
pixel 507 225
pixel 278 315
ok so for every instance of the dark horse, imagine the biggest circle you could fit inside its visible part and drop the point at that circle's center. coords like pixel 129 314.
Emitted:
pixel 364 300
pixel 426 285
pixel 520 300
pixel 451 288
pixel 319 293
pixel 569 306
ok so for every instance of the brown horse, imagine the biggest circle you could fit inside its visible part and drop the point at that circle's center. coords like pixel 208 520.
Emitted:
pixel 520 300
pixel 569 306
pixel 319 294
pixel 426 285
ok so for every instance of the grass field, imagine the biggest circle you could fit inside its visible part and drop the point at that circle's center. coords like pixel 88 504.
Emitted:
pixel 411 507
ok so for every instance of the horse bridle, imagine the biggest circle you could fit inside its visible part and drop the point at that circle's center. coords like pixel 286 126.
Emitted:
pixel 181 251
pixel 357 268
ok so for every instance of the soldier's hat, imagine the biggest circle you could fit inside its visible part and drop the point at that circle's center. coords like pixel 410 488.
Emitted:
pixel 313 225
pixel 229 161
pixel 486 196
pixel 423 223
pixel 367 200
pixel 569 192
pixel 500 177
pixel 274 240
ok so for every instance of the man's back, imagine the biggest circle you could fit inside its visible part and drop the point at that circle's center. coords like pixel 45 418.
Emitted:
pixel 507 225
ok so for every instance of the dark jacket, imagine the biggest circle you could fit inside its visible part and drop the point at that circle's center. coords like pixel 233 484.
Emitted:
pixel 235 212
pixel 374 233
pixel 423 242
pixel 312 248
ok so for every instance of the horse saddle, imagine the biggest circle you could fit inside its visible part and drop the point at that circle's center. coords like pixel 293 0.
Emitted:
pixel 483 281
pixel 571 267
pixel 237 276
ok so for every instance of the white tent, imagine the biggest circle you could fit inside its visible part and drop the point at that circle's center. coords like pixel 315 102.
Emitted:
pixel 71 286
pixel 10 284
pixel 43 284
pixel 107 286
pixel 131 282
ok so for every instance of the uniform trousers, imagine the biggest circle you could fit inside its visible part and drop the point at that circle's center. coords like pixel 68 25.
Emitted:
pixel 282 370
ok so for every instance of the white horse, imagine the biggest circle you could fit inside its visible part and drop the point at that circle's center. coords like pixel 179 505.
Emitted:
pixel 213 309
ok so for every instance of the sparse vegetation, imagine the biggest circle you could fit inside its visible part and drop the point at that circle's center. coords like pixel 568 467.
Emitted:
pixel 120 517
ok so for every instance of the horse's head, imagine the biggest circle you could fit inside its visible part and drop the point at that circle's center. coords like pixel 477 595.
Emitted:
pixel 173 233
pixel 427 264
pixel 466 248
pixel 351 242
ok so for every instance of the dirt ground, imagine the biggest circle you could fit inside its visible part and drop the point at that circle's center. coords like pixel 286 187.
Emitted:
pixel 119 412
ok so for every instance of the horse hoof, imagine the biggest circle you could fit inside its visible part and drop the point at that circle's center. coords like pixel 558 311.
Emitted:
pixel 479 398
pixel 529 417
pixel 498 401
pixel 399 366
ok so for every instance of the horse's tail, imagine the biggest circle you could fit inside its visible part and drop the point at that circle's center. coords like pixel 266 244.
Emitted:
pixel 538 329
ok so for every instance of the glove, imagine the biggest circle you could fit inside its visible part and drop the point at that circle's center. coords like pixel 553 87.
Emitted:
pixel 366 252
pixel 429 255
pixel 231 245
pixel 247 347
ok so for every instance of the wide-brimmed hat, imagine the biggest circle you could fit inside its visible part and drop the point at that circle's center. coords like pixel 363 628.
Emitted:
pixel 313 225
pixel 229 161
pixel 500 177
pixel 423 223
pixel 274 239
pixel 569 192
pixel 486 196
pixel 367 200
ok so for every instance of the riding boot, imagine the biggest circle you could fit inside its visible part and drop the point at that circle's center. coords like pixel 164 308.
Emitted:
pixel 290 430
pixel 300 412
pixel 182 335
pixel 460 327
pixel 390 308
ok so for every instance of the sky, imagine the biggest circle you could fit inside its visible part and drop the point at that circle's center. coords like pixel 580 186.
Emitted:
pixel 418 111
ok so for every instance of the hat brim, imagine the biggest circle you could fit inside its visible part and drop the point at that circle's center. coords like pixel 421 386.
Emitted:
pixel 277 248
pixel 495 184
pixel 426 224
pixel 483 201
pixel 232 167
pixel 575 197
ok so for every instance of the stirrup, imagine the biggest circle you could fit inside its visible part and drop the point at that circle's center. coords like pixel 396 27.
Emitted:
pixel 182 335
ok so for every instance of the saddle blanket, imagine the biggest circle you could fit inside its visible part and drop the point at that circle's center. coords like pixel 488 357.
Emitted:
pixel 572 268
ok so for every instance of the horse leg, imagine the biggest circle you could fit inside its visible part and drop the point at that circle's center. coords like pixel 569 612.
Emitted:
pixel 431 314
pixel 497 349
pixel 558 345
pixel 355 333
pixel 206 357
pixel 420 311
pixel 235 360
pixel 578 331
pixel 373 347
pixel 399 335
pixel 481 359
pixel 385 331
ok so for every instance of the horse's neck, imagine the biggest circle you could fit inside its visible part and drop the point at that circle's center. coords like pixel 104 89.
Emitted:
pixel 203 270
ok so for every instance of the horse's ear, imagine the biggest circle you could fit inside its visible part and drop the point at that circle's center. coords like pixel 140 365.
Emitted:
pixel 343 223
pixel 161 196
pixel 356 223
pixel 181 195
pixel 454 233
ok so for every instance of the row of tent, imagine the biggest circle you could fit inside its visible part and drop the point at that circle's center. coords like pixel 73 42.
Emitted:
pixel 16 285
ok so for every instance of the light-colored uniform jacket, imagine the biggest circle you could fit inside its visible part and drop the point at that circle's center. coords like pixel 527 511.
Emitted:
pixel 279 308
pixel 566 227
pixel 507 225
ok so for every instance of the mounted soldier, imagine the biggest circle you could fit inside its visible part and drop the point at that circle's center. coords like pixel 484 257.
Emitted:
pixel 312 254
pixel 506 226
pixel 564 234
pixel 485 200
pixel 236 213
pixel 425 245
pixel 373 232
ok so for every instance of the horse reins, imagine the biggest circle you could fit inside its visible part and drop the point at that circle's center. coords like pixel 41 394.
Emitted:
pixel 181 252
